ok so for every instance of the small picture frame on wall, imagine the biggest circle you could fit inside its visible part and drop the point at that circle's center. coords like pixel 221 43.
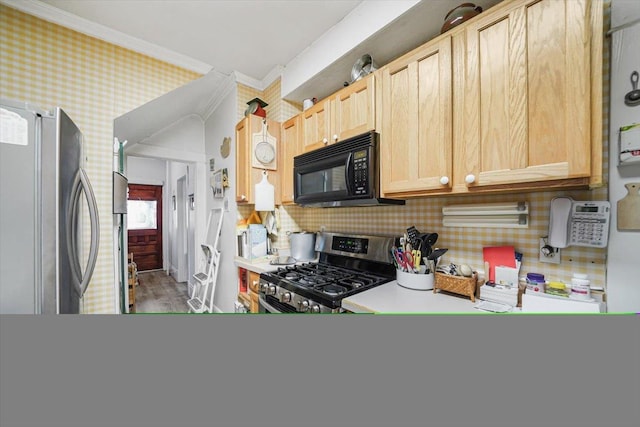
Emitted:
pixel 216 184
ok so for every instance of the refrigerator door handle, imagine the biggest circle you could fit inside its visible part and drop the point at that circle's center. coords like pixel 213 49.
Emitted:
pixel 81 184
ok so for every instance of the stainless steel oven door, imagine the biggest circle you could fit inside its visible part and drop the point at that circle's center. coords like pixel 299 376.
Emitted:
pixel 265 307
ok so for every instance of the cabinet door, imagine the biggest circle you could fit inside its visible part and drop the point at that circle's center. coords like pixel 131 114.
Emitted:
pixel 243 148
pixel 246 175
pixel 316 126
pixel 290 149
pixel 416 132
pixel 527 95
pixel 254 304
pixel 354 109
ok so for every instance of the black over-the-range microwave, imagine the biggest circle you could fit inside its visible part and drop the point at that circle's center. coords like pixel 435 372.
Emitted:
pixel 342 174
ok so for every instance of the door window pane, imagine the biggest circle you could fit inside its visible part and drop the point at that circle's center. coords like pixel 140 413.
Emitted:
pixel 141 214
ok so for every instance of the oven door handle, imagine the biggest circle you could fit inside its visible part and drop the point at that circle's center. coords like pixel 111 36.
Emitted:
pixel 348 173
pixel 266 305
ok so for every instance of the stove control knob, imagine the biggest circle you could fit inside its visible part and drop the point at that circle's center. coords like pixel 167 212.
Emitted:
pixel 315 309
pixel 264 287
pixel 304 305
pixel 286 297
pixel 271 290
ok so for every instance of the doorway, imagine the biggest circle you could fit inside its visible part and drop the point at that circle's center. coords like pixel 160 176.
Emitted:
pixel 182 225
pixel 144 225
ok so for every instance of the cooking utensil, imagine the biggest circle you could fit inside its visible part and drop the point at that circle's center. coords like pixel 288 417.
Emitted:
pixel 458 15
pixel 408 258
pixel 633 98
pixel 363 66
pixel 302 245
pixel 434 256
pixel 428 240
pixel 413 234
pixel 628 208
pixel 400 260
pixel 417 258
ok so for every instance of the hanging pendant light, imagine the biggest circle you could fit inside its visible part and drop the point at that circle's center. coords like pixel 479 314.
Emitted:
pixel 265 195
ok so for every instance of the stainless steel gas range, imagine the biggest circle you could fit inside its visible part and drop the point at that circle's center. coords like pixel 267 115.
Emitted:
pixel 347 265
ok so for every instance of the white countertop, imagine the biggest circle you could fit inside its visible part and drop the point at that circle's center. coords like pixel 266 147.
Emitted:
pixel 261 265
pixel 257 266
pixel 393 298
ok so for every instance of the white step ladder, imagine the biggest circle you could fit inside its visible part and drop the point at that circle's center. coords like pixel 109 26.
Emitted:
pixel 206 277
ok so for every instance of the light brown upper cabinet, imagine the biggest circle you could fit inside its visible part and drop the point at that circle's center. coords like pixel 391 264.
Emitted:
pixel 348 112
pixel 527 99
pixel 248 132
pixel 509 100
pixel 290 148
pixel 416 141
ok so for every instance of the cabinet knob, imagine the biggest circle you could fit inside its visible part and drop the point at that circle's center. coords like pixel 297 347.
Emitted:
pixel 470 179
pixel 325 141
pixel 243 197
pixel 444 180
pixel 335 137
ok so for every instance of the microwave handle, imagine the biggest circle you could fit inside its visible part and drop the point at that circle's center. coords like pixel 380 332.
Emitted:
pixel 348 173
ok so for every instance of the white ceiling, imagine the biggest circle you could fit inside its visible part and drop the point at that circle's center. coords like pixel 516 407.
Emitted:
pixel 251 37
pixel 257 38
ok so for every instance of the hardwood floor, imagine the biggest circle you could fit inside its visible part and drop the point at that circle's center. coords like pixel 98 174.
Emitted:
pixel 158 292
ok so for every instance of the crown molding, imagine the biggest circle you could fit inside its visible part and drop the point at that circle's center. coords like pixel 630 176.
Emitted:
pixel 247 81
pixel 218 96
pixel 273 75
pixel 74 22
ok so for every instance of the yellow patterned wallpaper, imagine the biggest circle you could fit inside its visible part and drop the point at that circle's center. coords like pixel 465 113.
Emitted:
pixel 94 82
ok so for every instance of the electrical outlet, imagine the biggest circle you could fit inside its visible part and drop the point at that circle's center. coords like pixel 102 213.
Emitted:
pixel 548 253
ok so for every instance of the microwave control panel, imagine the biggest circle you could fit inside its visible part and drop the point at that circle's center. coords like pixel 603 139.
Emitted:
pixel 361 171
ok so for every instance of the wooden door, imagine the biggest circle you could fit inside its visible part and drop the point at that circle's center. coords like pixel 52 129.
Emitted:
pixel 354 109
pixel 527 95
pixel 290 149
pixel 316 126
pixel 416 132
pixel 144 221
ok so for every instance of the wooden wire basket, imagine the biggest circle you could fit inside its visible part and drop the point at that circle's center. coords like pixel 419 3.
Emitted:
pixel 466 286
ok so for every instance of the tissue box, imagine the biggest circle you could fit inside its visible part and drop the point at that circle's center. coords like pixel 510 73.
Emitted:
pixel 257 241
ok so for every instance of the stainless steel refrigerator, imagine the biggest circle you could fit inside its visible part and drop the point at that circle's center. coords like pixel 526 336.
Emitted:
pixel 43 265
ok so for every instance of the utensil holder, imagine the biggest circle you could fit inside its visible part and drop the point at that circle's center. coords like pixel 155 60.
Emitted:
pixel 466 286
pixel 417 281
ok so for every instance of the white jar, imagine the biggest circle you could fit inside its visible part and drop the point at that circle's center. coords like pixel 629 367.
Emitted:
pixel 580 287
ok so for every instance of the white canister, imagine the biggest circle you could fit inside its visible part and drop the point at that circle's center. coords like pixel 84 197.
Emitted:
pixel 419 281
pixel 580 287
pixel 307 103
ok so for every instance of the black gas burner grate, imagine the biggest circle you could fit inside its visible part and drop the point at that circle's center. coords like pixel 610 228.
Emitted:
pixel 333 289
